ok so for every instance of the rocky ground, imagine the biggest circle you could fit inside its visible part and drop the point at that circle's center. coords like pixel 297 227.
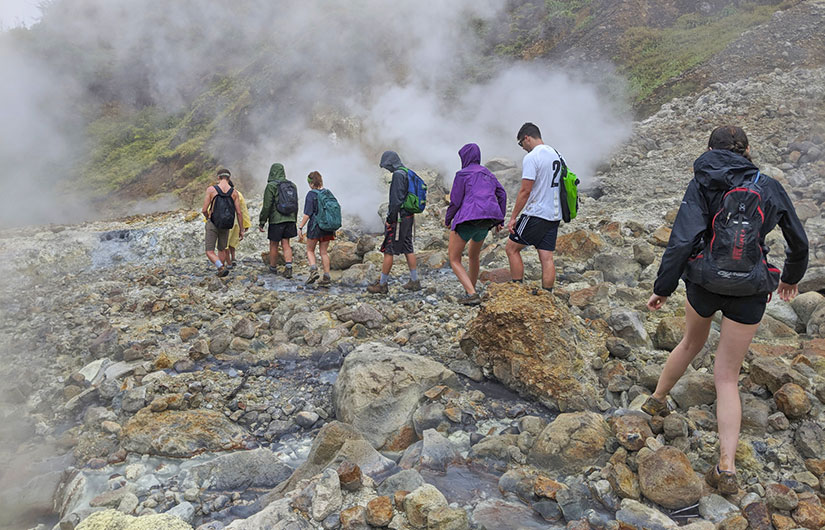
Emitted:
pixel 140 391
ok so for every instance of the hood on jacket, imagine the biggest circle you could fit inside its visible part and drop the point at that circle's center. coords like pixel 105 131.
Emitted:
pixel 719 169
pixel 470 154
pixel 391 161
pixel 276 172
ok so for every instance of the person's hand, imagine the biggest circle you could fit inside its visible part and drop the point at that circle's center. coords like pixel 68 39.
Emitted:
pixel 260 229
pixel 786 291
pixel 656 302
pixel 499 227
pixel 511 226
pixel 240 235
pixel 387 225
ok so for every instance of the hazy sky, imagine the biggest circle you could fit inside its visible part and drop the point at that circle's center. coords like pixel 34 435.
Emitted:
pixel 18 12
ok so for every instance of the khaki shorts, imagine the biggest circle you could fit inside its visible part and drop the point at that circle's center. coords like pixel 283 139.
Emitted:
pixel 216 235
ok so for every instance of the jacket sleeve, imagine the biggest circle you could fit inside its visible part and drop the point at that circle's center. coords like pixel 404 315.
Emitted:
pixel 456 198
pixel 796 253
pixel 269 199
pixel 691 222
pixel 501 195
pixel 398 192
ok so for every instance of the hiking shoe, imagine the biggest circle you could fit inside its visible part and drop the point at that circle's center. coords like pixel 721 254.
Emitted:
pixel 378 288
pixel 654 407
pixel 724 481
pixel 231 265
pixel 412 285
pixel 222 271
pixel 325 281
pixel 469 299
pixel 273 270
pixel 287 272
pixel 313 275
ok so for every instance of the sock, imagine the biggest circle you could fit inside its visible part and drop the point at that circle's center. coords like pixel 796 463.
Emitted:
pixel 414 275
pixel 312 267
pixel 288 264
pixel 549 289
pixel 218 263
pixel 384 279
pixel 518 281
pixel 326 276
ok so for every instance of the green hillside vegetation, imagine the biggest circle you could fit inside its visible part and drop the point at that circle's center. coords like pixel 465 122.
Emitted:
pixel 651 57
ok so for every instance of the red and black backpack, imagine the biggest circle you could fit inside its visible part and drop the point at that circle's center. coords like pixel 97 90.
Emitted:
pixel 733 262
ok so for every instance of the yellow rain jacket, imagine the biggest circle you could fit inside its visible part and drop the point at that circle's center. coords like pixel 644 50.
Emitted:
pixel 233 234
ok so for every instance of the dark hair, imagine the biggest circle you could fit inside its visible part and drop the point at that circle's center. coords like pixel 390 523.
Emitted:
pixel 224 173
pixel 730 138
pixel 230 183
pixel 315 180
pixel 528 129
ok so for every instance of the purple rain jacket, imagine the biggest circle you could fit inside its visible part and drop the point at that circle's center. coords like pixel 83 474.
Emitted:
pixel 476 193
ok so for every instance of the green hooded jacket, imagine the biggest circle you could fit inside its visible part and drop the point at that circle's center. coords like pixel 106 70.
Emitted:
pixel 268 212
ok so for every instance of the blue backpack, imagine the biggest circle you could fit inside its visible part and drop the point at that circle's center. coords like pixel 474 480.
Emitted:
pixel 416 199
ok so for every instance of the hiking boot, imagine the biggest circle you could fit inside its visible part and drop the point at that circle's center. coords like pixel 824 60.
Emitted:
pixel 469 299
pixel 378 288
pixel 273 270
pixel 412 285
pixel 287 272
pixel 222 271
pixel 654 407
pixel 724 481
pixel 231 265
pixel 313 275
pixel 325 281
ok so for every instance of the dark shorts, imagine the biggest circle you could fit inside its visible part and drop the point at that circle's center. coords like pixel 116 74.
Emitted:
pixel 536 232
pixel 281 231
pixel 398 238
pixel 741 309
pixel 475 230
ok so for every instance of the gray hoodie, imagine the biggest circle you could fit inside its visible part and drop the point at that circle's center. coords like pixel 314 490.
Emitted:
pixel 398 187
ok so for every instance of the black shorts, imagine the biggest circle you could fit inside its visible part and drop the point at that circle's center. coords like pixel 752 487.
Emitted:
pixel 281 231
pixel 398 238
pixel 741 309
pixel 536 232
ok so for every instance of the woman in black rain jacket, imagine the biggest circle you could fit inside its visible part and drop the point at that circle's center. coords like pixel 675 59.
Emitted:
pixel 725 168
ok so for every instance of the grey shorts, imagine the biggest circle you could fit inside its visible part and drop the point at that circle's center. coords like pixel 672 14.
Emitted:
pixel 215 235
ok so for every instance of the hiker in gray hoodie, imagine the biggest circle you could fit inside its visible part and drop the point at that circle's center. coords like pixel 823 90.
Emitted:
pixel 398 228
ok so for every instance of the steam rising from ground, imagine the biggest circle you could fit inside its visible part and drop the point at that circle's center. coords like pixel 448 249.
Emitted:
pixel 405 76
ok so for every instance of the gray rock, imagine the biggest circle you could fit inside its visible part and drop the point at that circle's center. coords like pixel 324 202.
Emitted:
pixel 306 419
pixel 420 502
pixel 437 452
pixel 363 314
pixel 634 514
pixel 259 468
pixel 618 269
pixel 805 304
pixel 430 416
pixel 327 498
pixel 503 514
pixel 716 508
pixel 184 511
pixel 694 388
pixel 246 327
pixel 814 280
pixel 572 441
pixel 406 480
pixel 809 440
pixel 627 324
pixel 134 399
pixel 785 313
pixel 816 324
pixel 755 414
pixel 379 388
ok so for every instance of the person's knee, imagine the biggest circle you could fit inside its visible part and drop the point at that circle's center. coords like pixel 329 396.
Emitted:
pixel 511 249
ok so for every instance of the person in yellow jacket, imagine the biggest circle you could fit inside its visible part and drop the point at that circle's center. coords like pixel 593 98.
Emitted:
pixel 234 238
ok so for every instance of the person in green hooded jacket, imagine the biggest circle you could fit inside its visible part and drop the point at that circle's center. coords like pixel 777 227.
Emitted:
pixel 280 210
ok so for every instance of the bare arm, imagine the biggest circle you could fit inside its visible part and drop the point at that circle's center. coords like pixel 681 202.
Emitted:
pixel 521 200
pixel 207 200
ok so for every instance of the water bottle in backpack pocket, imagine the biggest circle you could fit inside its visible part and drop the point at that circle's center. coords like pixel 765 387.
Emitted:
pixel 733 262
pixel 223 209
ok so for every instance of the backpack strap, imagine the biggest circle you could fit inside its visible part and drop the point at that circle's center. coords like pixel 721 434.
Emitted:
pixel 758 175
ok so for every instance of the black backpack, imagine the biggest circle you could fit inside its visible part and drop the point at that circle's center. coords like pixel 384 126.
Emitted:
pixel 732 262
pixel 287 202
pixel 223 209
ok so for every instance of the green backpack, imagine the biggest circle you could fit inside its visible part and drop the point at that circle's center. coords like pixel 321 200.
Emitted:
pixel 568 193
pixel 328 217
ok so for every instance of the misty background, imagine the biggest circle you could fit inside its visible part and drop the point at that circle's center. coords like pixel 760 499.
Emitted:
pixel 317 87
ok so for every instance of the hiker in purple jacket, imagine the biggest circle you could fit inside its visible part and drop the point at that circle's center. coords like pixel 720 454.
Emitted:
pixel 478 203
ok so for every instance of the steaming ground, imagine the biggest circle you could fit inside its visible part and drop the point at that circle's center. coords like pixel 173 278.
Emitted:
pixel 373 76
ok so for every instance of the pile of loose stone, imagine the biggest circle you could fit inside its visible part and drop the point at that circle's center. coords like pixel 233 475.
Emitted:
pixel 141 391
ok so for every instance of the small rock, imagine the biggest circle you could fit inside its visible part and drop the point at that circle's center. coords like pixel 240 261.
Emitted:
pixel 379 511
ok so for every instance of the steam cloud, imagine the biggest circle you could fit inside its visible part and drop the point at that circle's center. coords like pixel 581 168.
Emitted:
pixel 332 86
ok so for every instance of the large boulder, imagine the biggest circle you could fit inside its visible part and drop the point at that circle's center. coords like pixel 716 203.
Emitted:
pixel 534 345
pixel 666 478
pixel 572 441
pixel 181 433
pixel 259 468
pixel 113 519
pixel 380 387
pixel 343 255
